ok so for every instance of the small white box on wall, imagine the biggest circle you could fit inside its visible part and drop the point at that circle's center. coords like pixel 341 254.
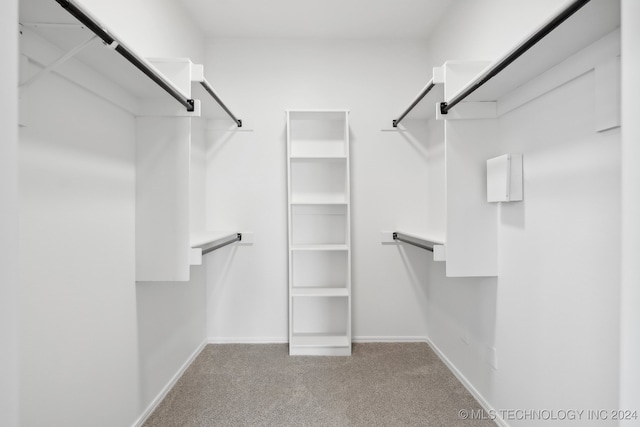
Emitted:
pixel 504 178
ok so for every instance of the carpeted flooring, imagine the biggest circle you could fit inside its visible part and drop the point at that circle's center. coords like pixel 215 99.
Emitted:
pixel 381 384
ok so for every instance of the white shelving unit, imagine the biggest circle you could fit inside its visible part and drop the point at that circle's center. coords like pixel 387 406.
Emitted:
pixel 319 215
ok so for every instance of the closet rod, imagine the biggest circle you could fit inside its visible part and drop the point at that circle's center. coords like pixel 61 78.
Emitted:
pixel 127 53
pixel 515 54
pixel 425 90
pixel 236 238
pixel 205 84
pixel 421 243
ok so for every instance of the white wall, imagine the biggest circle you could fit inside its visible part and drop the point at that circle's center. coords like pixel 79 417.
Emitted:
pixel 246 179
pixel 630 295
pixel 552 314
pixel 78 312
pixel 93 338
pixel 9 356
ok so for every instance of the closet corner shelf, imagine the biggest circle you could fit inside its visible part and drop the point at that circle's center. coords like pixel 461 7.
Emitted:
pixel 589 24
pixel 319 292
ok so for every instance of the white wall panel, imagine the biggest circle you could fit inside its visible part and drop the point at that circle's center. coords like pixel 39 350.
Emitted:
pixel 79 349
pixel 630 295
pixel 9 356
pixel 246 179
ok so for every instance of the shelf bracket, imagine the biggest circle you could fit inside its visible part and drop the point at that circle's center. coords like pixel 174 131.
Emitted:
pixel 61 60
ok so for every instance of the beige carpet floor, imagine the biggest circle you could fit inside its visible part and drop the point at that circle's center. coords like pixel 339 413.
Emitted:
pixel 397 384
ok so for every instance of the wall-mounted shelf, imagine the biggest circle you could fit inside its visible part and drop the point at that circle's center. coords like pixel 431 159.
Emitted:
pixel 114 72
pixel 319 233
pixel 473 91
pixel 588 24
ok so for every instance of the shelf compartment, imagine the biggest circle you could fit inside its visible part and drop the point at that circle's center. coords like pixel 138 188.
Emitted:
pixel 319 345
pixel 327 269
pixel 317 133
pixel 319 224
pixel 319 247
pixel 312 180
pixel 318 157
pixel 319 340
pixel 309 291
pixel 320 315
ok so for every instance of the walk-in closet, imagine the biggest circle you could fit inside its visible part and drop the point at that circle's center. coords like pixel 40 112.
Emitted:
pixel 345 213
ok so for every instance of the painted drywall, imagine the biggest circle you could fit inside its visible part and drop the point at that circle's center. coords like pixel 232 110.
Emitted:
pixel 78 314
pixel 549 323
pixel 171 315
pixel 140 336
pixel 9 356
pixel 246 180
pixel 630 294
pixel 171 331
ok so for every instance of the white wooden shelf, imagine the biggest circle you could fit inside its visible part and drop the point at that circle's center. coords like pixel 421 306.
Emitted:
pixel 298 291
pixel 589 24
pixel 300 200
pixel 319 247
pixel 319 157
pixel 318 202
pixel 320 340
pixel 97 68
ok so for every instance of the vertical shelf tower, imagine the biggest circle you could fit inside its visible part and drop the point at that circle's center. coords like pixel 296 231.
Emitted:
pixel 319 214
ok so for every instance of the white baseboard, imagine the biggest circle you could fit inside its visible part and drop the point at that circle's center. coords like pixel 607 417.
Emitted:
pixel 247 340
pixel 284 340
pixel 165 390
pixel 370 339
pixel 467 384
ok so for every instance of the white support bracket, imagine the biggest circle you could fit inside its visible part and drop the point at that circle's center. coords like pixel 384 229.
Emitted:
pixel 61 60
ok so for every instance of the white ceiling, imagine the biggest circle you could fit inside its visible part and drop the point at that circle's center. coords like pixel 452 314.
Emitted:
pixel 359 19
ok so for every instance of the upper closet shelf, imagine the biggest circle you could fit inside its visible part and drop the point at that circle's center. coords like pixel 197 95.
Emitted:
pixel 107 67
pixel 114 44
pixel 570 30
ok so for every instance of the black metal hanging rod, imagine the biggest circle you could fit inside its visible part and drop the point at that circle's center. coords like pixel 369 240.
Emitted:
pixel 515 54
pixel 139 63
pixel 421 243
pixel 425 90
pixel 205 84
pixel 236 238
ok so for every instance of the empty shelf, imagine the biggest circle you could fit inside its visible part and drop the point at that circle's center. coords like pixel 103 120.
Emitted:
pixel 319 247
pixel 319 340
pixel 319 292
